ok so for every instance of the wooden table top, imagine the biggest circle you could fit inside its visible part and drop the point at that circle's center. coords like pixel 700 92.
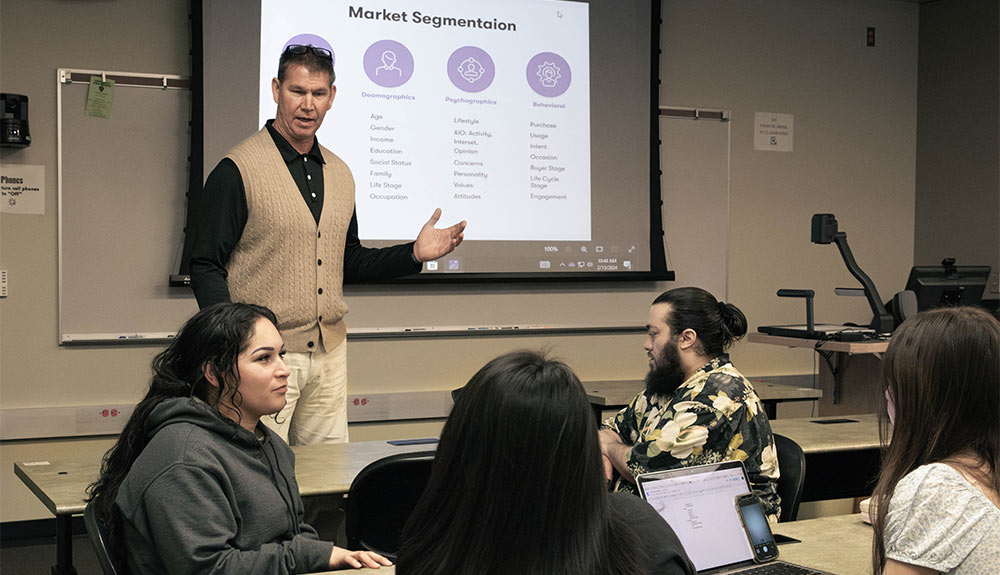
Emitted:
pixel 59 484
pixel 319 469
pixel 622 392
pixel 859 433
pixel 842 346
pixel 329 469
pixel 839 544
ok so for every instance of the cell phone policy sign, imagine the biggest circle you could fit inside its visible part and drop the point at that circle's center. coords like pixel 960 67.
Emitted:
pixel 773 132
pixel 22 189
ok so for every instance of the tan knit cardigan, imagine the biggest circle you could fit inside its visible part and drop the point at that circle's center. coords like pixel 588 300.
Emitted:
pixel 283 259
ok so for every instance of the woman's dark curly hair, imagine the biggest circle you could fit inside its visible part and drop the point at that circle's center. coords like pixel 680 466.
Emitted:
pixel 211 340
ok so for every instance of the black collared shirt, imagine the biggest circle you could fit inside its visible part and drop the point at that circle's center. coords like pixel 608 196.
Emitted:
pixel 221 213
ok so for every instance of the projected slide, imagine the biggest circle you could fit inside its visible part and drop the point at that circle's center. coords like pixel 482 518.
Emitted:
pixel 482 109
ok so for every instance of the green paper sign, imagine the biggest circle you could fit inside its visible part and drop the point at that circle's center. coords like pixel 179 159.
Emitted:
pixel 100 96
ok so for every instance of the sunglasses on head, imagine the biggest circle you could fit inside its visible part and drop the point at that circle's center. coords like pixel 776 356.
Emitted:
pixel 299 49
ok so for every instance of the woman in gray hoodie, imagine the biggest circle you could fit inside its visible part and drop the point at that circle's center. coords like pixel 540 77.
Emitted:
pixel 196 484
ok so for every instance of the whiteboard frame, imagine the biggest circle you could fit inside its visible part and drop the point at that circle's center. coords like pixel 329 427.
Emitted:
pixel 64 76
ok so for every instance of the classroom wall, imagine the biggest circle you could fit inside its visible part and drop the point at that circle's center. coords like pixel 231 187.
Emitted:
pixel 36 38
pixel 854 113
pixel 958 135
pixel 854 155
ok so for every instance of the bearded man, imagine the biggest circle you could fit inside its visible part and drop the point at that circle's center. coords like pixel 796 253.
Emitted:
pixel 697 408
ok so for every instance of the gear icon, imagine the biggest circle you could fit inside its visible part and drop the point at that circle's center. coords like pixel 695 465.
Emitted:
pixel 548 74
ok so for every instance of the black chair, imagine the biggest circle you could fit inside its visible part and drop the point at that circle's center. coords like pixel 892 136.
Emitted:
pixel 98 536
pixel 792 467
pixel 381 499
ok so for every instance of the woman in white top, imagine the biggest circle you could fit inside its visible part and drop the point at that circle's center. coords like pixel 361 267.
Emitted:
pixel 937 508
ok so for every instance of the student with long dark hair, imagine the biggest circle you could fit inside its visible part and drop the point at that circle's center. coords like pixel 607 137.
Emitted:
pixel 937 501
pixel 195 483
pixel 517 487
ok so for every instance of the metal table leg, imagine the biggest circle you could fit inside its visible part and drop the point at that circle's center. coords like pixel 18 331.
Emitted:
pixel 64 546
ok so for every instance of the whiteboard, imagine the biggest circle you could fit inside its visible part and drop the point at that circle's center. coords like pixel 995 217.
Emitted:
pixel 122 184
pixel 694 157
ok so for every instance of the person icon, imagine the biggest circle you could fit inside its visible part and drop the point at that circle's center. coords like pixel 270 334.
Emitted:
pixel 471 70
pixel 388 64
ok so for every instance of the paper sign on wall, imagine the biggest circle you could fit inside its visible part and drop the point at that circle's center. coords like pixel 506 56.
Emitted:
pixel 100 96
pixel 22 189
pixel 773 132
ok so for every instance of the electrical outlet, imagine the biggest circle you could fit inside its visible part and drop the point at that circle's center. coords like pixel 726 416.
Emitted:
pixel 97 419
pixel 368 407
pixel 3 283
pixel 994 283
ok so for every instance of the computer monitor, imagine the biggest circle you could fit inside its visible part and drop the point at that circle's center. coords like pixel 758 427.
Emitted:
pixel 944 285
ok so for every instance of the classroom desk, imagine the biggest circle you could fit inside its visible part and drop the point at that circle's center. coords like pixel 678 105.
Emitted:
pixel 848 375
pixel 842 459
pixel 840 544
pixel 833 452
pixel 604 395
pixel 320 470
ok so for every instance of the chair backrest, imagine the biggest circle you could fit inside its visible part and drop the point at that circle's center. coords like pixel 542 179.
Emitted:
pixel 381 499
pixel 98 537
pixel 792 467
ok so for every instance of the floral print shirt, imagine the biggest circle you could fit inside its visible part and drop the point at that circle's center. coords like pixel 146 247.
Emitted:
pixel 713 416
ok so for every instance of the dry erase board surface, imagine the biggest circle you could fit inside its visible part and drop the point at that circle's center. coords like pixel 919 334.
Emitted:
pixel 122 205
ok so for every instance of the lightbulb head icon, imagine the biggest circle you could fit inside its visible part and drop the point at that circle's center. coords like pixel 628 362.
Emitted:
pixel 548 74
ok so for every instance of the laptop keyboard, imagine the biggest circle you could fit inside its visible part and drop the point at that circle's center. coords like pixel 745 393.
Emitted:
pixel 779 569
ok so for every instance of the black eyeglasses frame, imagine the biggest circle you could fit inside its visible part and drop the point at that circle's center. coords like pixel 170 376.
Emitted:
pixel 299 49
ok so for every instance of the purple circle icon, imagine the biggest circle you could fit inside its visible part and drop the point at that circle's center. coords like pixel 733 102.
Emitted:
pixel 548 74
pixel 311 40
pixel 388 63
pixel 471 69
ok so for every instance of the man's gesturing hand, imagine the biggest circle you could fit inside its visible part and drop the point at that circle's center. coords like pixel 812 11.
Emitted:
pixel 433 243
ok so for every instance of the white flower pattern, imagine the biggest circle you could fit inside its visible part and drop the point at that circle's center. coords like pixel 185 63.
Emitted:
pixel 713 416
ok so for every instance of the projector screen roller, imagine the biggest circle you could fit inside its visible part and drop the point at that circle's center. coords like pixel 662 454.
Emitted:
pixel 533 120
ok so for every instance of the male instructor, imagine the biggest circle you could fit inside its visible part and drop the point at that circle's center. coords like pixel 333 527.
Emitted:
pixel 276 226
pixel 696 407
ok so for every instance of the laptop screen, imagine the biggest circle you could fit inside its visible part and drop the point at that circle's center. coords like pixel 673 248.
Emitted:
pixel 699 503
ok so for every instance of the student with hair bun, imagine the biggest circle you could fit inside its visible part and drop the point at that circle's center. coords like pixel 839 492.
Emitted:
pixel 697 408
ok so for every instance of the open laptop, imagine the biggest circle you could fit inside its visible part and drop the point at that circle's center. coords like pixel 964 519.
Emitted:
pixel 699 503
